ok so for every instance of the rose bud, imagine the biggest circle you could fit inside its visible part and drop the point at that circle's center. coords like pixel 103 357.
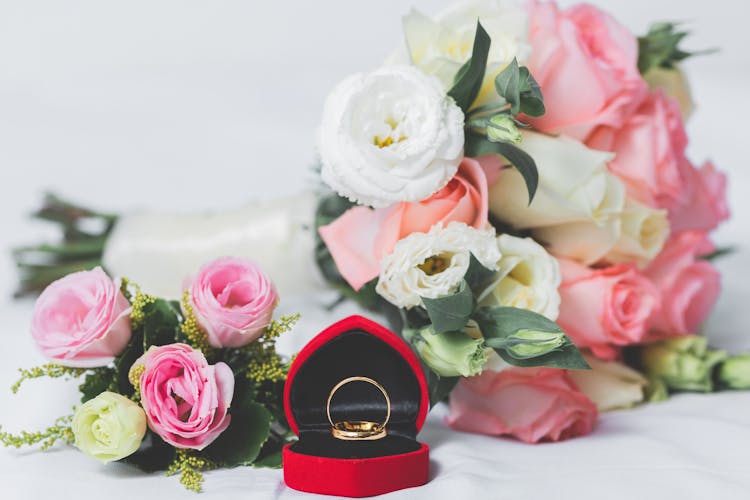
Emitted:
pixel 734 372
pixel 233 301
pixel 449 354
pixel 683 364
pixel 109 427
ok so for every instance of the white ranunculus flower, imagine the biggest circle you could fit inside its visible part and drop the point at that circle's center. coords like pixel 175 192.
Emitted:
pixel 578 203
pixel 388 136
pixel 644 232
pixel 609 384
pixel 440 46
pixel 528 278
pixel 433 264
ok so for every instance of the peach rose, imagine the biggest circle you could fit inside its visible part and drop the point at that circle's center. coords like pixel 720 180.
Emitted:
pixel 586 65
pixel 362 236
pixel 603 309
pixel 530 404
pixel 689 285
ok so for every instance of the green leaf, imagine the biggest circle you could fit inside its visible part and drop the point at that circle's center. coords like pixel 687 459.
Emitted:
pixel 439 387
pixel 477 275
pixel 659 48
pixel 477 145
pixel 95 382
pixel 450 314
pixel 471 75
pixel 498 324
pixel 124 361
pixel 719 253
pixel 508 86
pixel 272 461
pixel 161 323
pixel 248 431
pixel 153 455
pixel 532 102
pixel 519 89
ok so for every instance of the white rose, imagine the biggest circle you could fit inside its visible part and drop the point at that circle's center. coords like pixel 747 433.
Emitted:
pixel 609 384
pixel 433 264
pixel 442 45
pixel 388 136
pixel 644 232
pixel 577 207
pixel 527 278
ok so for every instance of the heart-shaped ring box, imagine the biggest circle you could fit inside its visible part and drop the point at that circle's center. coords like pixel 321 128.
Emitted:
pixel 321 463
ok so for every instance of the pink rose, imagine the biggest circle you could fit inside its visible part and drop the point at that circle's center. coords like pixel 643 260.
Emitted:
pixel 82 320
pixel 586 65
pixel 186 400
pixel 689 286
pixel 706 205
pixel 362 236
pixel 650 152
pixel 603 309
pixel 233 301
pixel 531 404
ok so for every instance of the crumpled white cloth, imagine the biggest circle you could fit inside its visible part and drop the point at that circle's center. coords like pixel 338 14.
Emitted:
pixel 693 446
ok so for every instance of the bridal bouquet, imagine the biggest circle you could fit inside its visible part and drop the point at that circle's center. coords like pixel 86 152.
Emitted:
pixel 519 172
pixel 180 386
pixel 512 189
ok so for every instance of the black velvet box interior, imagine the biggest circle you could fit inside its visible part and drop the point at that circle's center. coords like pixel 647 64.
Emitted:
pixel 355 353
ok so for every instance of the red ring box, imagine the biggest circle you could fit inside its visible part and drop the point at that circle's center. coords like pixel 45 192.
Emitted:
pixel 320 463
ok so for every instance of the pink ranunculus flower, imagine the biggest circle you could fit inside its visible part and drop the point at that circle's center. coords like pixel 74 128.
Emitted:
pixel 605 309
pixel 650 152
pixel 586 65
pixel 186 400
pixel 706 206
pixel 82 320
pixel 233 301
pixel 531 404
pixel 689 285
pixel 362 236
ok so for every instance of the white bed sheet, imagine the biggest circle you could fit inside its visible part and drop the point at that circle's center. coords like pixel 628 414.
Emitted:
pixel 194 105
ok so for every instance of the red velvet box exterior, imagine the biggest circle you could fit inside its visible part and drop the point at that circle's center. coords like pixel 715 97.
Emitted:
pixel 318 470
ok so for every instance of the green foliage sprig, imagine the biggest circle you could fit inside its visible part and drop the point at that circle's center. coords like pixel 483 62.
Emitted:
pixel 659 48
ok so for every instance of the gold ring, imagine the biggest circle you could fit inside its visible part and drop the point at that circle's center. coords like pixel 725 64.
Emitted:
pixel 354 430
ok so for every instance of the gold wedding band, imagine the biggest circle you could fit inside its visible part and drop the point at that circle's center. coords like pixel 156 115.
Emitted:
pixel 355 430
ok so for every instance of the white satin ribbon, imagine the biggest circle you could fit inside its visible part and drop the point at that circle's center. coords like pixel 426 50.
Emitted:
pixel 159 251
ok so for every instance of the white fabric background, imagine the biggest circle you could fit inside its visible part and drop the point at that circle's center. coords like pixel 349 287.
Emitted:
pixel 187 105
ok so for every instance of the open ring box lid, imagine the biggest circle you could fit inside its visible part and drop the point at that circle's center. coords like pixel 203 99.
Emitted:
pixel 320 463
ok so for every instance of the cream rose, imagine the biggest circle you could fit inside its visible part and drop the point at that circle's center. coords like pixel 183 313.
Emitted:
pixel 109 427
pixel 644 232
pixel 578 203
pixel 433 264
pixel 609 384
pixel 440 46
pixel 527 278
pixel 388 136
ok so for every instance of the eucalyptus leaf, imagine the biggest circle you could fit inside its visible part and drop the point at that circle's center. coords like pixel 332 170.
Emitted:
pixel 468 81
pixel 508 86
pixel 477 275
pixel 478 145
pixel 439 387
pixel 450 314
